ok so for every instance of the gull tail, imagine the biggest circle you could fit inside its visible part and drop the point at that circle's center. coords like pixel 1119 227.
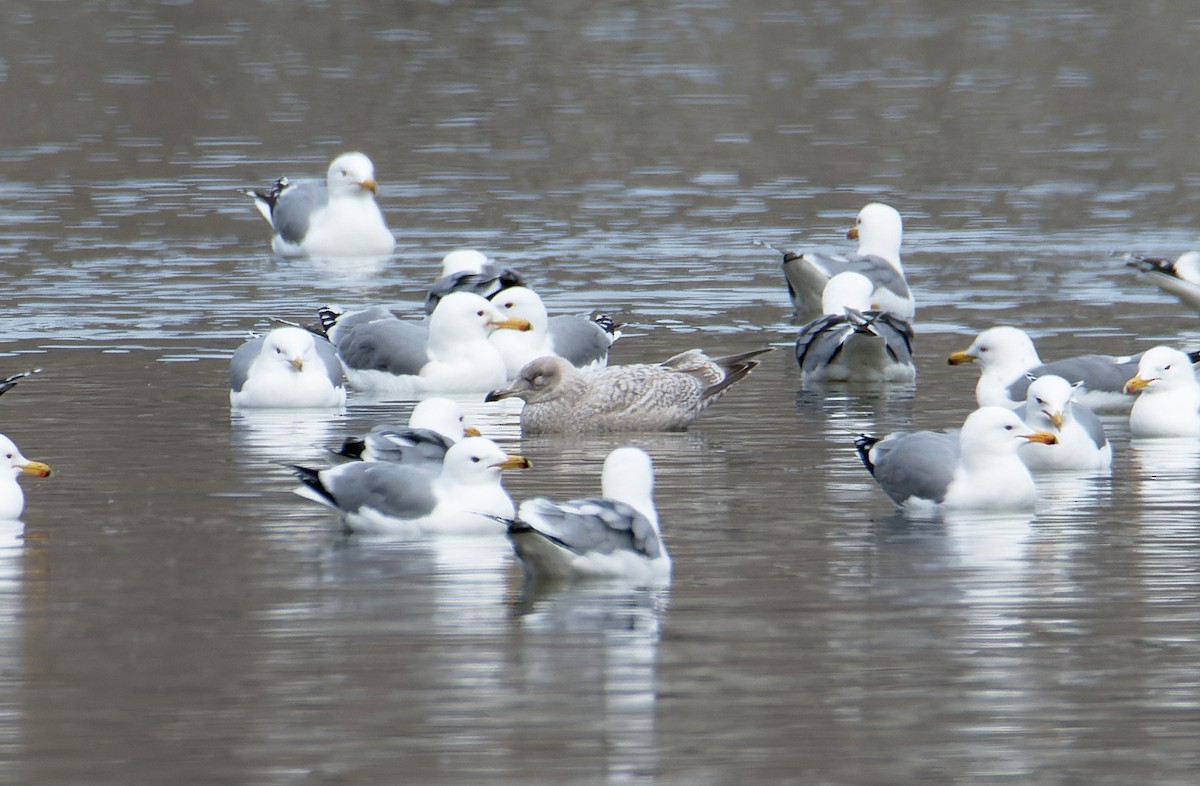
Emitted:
pixel 736 367
pixel 863 444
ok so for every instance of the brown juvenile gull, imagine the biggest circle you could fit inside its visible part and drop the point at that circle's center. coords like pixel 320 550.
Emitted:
pixel 668 396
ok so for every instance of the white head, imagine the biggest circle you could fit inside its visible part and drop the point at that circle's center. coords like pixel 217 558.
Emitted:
pixel 1048 399
pixel 847 290
pixel 879 230
pixel 989 432
pixel 292 347
pixel 478 460
pixel 442 415
pixel 1000 347
pixel 523 303
pixel 1187 267
pixel 16 464
pixel 1163 369
pixel 350 174
pixel 465 317
pixel 463 260
pixel 628 477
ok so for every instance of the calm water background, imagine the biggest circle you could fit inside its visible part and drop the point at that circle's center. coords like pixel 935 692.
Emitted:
pixel 174 614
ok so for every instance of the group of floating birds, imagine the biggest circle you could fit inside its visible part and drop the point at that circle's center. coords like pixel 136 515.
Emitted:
pixel 485 334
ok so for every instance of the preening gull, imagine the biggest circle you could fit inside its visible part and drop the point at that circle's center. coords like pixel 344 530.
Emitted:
pixel 466 269
pixel 1168 404
pixel 1080 442
pixel 12 464
pixel 288 368
pixel 1180 278
pixel 560 398
pixel 614 536
pixel 434 425
pixel 853 343
pixel 581 340
pixel 338 218
pixel 380 497
pixel 1007 360
pixel 386 356
pixel 8 383
pixel 878 230
pixel 974 468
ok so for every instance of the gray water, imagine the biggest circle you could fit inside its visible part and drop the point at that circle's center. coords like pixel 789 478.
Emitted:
pixel 174 614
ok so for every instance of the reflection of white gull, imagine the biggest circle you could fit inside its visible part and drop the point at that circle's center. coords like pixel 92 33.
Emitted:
pixel 12 465
pixel 560 398
pixel 852 342
pixel 288 368
pixel 614 536
pixel 1007 359
pixel 388 355
pixel 878 230
pixel 384 498
pixel 581 340
pixel 338 218
pixel 974 468
pixel 1169 402
pixel 434 425
pixel 468 270
pixel 1181 278
pixel 1080 441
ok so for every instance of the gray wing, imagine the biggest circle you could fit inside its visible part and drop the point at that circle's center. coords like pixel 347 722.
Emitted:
pixel 293 210
pixel 892 329
pixel 330 359
pixel 239 364
pixel 1090 423
pixel 820 342
pixel 404 445
pixel 1097 372
pixel 807 274
pixel 590 525
pixel 396 491
pixel 921 464
pixel 392 345
pixel 579 339
pixel 487 282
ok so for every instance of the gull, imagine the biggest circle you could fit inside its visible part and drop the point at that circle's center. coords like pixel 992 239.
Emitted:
pixel 615 536
pixel 1168 402
pixel 852 342
pixel 433 427
pixel 878 231
pixel 668 396
pixel 379 497
pixel 1080 442
pixel 466 269
pixel 974 468
pixel 453 355
pixel 288 368
pixel 1006 356
pixel 582 341
pixel 338 218
pixel 1180 278
pixel 10 382
pixel 13 464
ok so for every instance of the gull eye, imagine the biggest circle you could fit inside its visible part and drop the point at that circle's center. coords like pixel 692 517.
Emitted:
pixel 1167 367
pixel 1040 400
pixel 8 455
pixel 474 459
pixel 1008 428
pixel 479 313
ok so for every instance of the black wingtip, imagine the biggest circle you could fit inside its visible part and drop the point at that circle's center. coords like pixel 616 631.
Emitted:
pixel 312 478
pixel 329 317
pixel 8 383
pixel 352 448
pixel 862 445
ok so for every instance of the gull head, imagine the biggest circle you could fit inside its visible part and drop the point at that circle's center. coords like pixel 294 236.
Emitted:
pixel 999 347
pixel 291 346
pixel 1161 369
pixel 18 464
pixel 878 230
pixel 351 173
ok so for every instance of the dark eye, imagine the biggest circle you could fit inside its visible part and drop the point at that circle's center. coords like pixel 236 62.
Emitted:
pixel 1167 367
pixel 983 349
pixel 1040 400
pixel 508 305
pixel 474 459
pixel 1008 428
pixel 478 313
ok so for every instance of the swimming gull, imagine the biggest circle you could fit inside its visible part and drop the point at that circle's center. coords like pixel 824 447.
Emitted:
pixel 852 342
pixel 13 464
pixel 466 269
pixel 668 396
pixel 288 368
pixel 434 425
pixel 1080 443
pixel 1006 356
pixel 338 218
pixel 1168 402
pixel 8 383
pixel 380 497
pixel 878 231
pixel 615 536
pixel 1180 278
pixel 974 468
pixel 581 340
pixel 391 356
